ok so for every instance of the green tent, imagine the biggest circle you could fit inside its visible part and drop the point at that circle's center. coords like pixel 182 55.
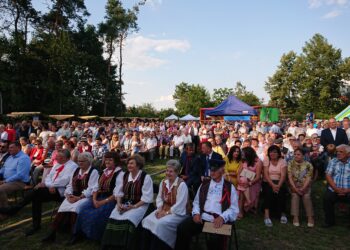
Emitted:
pixel 343 114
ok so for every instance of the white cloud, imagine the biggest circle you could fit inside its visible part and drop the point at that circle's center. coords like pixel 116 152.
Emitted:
pixel 318 3
pixel 165 98
pixel 332 14
pixel 142 53
pixel 165 101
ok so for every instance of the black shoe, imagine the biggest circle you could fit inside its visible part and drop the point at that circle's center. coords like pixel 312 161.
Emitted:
pixel 50 237
pixel 32 231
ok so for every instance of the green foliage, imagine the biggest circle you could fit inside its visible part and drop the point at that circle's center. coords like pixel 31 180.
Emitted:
pixel 311 81
pixel 60 68
pixel 189 98
pixel 220 95
pixel 246 96
pixel 144 110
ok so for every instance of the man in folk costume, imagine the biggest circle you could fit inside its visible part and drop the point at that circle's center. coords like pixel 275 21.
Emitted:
pixel 53 188
pixel 216 202
pixel 79 190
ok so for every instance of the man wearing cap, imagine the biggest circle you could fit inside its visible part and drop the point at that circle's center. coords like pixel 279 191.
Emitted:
pixel 216 202
pixel 333 135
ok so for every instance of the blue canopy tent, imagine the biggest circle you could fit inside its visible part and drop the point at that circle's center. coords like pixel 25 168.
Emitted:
pixel 232 106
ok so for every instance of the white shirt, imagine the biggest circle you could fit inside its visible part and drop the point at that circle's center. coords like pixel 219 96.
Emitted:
pixel 93 182
pixel 187 139
pixel 179 208
pixel 151 143
pixel 178 141
pixel 212 204
pixel 4 136
pixel 334 133
pixel 62 180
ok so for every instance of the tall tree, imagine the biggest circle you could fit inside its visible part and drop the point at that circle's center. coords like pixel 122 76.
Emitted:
pixel 241 92
pixel 119 22
pixel 322 78
pixel 189 98
pixel 220 95
pixel 283 85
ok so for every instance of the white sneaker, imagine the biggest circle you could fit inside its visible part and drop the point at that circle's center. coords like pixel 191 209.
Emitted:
pixel 284 219
pixel 268 222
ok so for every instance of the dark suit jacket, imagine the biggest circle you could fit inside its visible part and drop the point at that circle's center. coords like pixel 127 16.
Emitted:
pixel 214 156
pixel 327 137
pixel 194 173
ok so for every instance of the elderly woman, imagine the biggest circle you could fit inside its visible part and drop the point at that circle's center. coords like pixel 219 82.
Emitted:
pixel 94 214
pixel 79 191
pixel 274 188
pixel 133 199
pixel 300 178
pixel 160 226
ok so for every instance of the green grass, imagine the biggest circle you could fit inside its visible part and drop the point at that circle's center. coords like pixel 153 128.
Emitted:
pixel 252 234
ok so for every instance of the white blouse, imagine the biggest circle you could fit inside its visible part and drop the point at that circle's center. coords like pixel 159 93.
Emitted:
pixel 93 182
pixel 179 208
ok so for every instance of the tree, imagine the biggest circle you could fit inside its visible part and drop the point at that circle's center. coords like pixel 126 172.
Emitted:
pixel 241 92
pixel 114 30
pixel 220 95
pixel 189 98
pixel 283 85
pixel 311 81
pixel 144 110
pixel 322 81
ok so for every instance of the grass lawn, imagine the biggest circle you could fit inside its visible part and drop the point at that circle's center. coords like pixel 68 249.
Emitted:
pixel 252 234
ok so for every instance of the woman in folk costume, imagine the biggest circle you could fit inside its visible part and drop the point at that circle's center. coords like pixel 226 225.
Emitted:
pixel 79 191
pixel 93 215
pixel 133 200
pixel 160 226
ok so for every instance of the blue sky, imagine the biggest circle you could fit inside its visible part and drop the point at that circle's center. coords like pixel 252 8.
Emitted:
pixel 217 43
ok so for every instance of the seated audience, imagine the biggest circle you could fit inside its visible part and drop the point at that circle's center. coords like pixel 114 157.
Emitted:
pixel 53 188
pixel 216 201
pixel 93 215
pixel 79 191
pixel 233 161
pixel 300 178
pixel 160 226
pixel 133 199
pixel 14 174
pixel 249 182
pixel 338 179
pixel 191 168
pixel 274 188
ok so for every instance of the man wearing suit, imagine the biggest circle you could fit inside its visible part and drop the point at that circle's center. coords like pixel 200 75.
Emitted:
pixel 191 168
pixel 207 154
pixel 333 135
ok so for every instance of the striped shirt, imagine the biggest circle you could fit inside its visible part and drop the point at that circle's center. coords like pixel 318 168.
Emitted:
pixel 340 173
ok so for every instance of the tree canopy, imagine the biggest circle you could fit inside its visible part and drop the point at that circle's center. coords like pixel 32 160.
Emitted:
pixel 310 81
pixel 54 62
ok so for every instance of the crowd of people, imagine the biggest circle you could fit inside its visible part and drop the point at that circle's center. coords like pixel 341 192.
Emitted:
pixel 217 172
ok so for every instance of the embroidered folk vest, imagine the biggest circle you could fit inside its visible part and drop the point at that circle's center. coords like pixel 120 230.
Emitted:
pixel 107 184
pixel 226 195
pixel 80 184
pixel 133 190
pixel 169 198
